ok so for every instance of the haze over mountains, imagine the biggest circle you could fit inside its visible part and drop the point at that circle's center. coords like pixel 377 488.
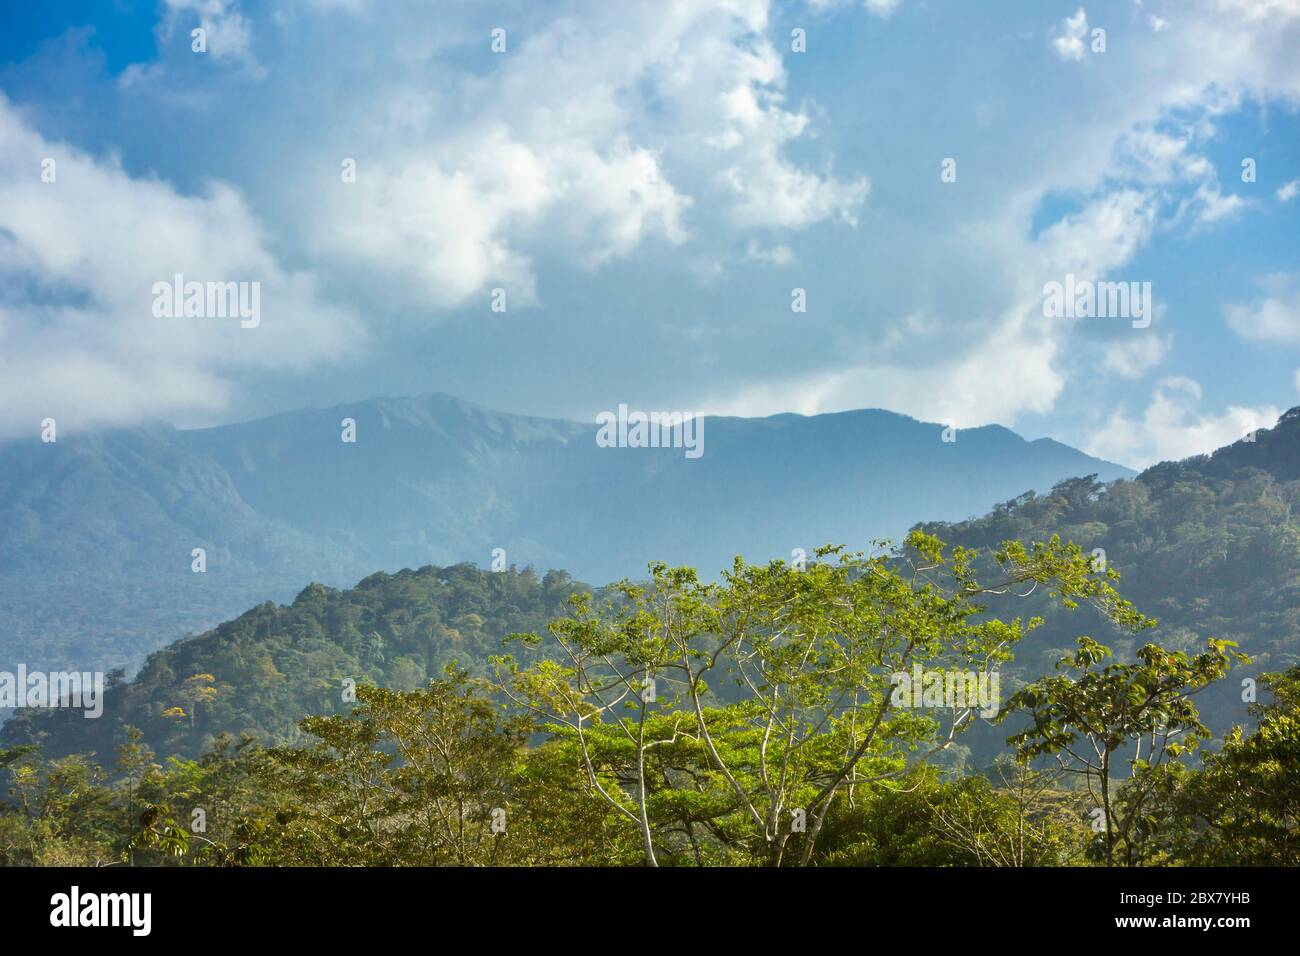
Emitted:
pixel 97 530
pixel 1209 546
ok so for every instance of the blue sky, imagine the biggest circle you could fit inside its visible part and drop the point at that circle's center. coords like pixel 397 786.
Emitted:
pixel 648 182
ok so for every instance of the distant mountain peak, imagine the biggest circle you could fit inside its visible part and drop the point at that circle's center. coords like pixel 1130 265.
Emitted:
pixel 278 502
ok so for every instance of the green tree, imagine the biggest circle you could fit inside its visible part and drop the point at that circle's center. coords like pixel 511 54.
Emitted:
pixel 417 778
pixel 1243 807
pixel 1096 718
pixel 811 651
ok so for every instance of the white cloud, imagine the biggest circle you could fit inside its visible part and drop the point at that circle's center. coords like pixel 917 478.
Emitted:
pixel 683 145
pixel 881 8
pixel 777 255
pixel 81 254
pixel 227 40
pixel 1068 42
pixel 1275 318
pixel 1099 238
pixel 1256 10
pixel 1159 158
pixel 1173 426
pixel 699 91
pixel 449 224
pixel 228 32
pixel 1135 355
pixel 937 370
pixel 955 388
pixel 1288 191
pixel 682 114
pixel 1209 205
pixel 933 368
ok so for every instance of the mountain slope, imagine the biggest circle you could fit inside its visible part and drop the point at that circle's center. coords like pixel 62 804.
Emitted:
pixel 97 531
pixel 1210 546
pixel 435 478
pixel 272 665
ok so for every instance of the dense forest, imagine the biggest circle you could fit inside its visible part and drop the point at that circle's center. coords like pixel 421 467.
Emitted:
pixel 1138 641
pixel 1208 546
pixel 467 790
pixel 264 671
pixel 97 530
pixel 607 738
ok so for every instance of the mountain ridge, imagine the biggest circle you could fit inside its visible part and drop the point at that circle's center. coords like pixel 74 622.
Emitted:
pixel 97 530
pixel 1179 534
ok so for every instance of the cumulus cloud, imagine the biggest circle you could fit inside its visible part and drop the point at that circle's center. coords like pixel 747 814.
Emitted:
pixel 82 244
pixel 1256 10
pixel 936 371
pixel 1068 42
pixel 1135 355
pixel 777 255
pixel 1160 157
pixel 1209 205
pixel 449 223
pixel 952 388
pixel 1288 191
pixel 228 35
pixel 1273 318
pixel 1173 426
pixel 682 112
pixel 1100 237
pixel 1164 158
pixel 597 136
pixel 642 155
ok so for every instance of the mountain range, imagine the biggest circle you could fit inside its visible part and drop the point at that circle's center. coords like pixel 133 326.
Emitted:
pixel 1209 546
pixel 98 530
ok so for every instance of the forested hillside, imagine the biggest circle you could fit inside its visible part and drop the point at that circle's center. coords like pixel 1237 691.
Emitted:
pixel 757 720
pixel 1208 546
pixel 608 738
pixel 97 530
pixel 268 668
